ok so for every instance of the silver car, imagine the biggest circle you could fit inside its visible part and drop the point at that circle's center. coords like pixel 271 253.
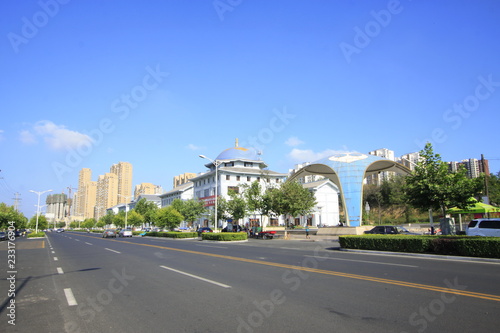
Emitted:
pixel 125 233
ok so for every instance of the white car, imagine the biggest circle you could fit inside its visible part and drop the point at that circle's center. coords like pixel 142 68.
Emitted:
pixel 125 233
pixel 484 227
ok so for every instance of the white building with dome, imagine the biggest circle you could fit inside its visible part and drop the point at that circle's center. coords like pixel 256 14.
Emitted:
pixel 236 166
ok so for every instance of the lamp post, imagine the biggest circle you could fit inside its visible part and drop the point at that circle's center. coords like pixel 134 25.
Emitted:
pixel 126 206
pixel 216 164
pixel 38 206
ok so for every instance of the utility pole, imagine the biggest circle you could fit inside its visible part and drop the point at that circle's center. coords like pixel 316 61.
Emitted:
pixel 16 201
pixel 486 176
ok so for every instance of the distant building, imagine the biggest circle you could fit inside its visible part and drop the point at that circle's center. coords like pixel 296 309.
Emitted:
pixel 183 192
pixel 147 188
pixel 56 206
pixel 237 166
pixel 473 166
pixel 379 178
pixel 182 179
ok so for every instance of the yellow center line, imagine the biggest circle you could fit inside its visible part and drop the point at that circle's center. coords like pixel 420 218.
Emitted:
pixel 333 273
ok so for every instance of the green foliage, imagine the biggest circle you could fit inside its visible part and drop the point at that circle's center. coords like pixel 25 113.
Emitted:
pixel 42 222
pixel 9 214
pixel 224 236
pixel 88 223
pixel 396 243
pixel 134 218
pixel 431 185
pixel 295 200
pixel 119 219
pixel 36 234
pixel 236 207
pixel 147 209
pixel 168 217
pixel 486 247
pixel 190 209
pixel 107 219
pixel 172 234
pixel 494 189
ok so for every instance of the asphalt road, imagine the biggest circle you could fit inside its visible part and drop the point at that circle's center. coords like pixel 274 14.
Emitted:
pixel 74 282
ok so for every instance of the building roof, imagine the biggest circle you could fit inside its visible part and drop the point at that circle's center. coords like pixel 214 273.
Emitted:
pixel 180 188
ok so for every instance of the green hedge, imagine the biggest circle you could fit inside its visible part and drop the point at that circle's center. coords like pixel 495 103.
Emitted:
pixel 172 234
pixel 487 247
pixel 36 234
pixel 224 236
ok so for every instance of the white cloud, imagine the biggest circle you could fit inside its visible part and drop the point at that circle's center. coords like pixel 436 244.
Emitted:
pixel 307 155
pixel 293 141
pixel 27 137
pixel 57 137
pixel 193 147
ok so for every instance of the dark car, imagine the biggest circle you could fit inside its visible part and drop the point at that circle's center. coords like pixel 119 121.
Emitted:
pixel 203 230
pixel 3 236
pixel 389 230
pixel 109 233
pixel 60 230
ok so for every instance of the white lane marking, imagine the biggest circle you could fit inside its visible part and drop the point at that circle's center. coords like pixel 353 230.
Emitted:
pixel 55 259
pixel 70 297
pixel 77 240
pixel 365 261
pixel 111 250
pixel 53 251
pixel 89 243
pixel 197 277
pixel 59 270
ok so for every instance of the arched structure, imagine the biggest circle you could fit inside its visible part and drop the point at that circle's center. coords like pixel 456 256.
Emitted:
pixel 348 171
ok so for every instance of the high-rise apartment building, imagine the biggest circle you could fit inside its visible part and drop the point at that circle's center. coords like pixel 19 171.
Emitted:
pixel 184 178
pixel 378 179
pixel 474 167
pixel 123 171
pixel 147 188
pixel 107 193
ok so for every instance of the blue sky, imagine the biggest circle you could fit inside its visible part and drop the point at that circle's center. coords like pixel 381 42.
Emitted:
pixel 156 83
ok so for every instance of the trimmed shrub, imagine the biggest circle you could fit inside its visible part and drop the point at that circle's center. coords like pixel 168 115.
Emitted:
pixel 224 236
pixel 36 234
pixel 172 234
pixel 486 247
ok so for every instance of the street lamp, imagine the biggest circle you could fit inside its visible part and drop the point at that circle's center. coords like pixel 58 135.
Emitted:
pixel 38 206
pixel 126 206
pixel 216 164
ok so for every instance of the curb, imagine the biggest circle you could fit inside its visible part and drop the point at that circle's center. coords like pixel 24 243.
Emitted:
pixel 420 255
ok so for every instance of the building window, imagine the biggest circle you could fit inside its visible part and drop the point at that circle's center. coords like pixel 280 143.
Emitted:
pixel 206 192
pixel 248 164
pixel 228 177
pixel 248 178
pixel 230 164
pixel 238 178
pixel 258 179
pixel 277 180
pixel 234 189
pixel 268 180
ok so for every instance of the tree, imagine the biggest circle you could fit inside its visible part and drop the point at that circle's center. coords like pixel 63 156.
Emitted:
pixel 88 223
pixel 134 218
pixel 147 209
pixel 168 217
pixel 190 209
pixel 42 222
pixel 119 219
pixel 107 219
pixel 494 189
pixel 10 214
pixel 432 186
pixel 236 206
pixel 254 198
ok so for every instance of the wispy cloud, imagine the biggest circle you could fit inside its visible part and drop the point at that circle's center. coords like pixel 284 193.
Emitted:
pixel 293 141
pixel 193 147
pixel 308 155
pixel 57 137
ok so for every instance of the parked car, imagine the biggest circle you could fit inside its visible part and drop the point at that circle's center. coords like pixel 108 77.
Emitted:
pixel 484 227
pixel 3 236
pixel 203 230
pixel 60 230
pixel 390 230
pixel 125 233
pixel 109 233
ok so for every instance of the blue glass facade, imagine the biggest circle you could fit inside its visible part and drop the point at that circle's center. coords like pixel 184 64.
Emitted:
pixel 348 171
